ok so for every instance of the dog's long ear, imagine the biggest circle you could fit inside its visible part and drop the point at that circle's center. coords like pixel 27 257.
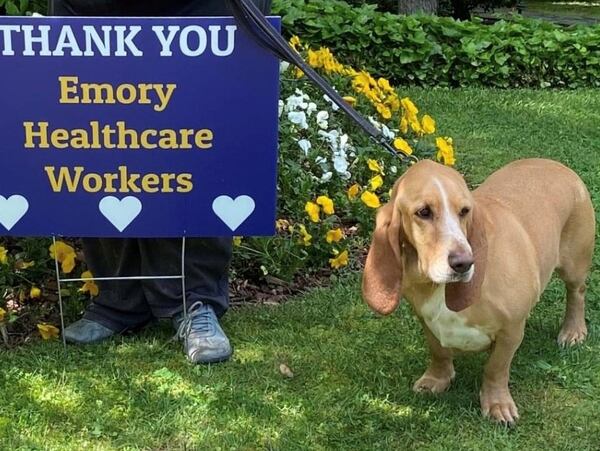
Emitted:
pixel 382 277
pixel 460 295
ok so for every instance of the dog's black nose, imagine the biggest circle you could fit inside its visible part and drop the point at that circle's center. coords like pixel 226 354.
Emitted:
pixel 460 262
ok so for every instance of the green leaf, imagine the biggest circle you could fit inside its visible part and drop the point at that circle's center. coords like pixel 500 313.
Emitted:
pixel 12 9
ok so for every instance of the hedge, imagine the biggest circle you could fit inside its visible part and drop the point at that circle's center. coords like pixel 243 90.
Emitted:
pixel 439 51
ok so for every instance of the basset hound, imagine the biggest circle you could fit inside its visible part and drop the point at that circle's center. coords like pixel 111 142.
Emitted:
pixel 473 264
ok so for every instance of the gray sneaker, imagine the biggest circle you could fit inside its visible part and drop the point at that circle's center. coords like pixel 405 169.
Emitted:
pixel 203 339
pixel 85 331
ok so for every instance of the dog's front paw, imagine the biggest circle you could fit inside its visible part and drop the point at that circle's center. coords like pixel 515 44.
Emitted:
pixel 571 335
pixel 431 384
pixel 499 406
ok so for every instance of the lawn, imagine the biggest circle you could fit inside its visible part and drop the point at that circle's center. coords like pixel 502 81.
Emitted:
pixel 353 371
pixel 565 9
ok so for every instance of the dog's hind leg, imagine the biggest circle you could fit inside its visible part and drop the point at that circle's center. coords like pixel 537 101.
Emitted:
pixel 575 260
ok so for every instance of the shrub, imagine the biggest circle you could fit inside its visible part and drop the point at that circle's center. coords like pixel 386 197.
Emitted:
pixel 437 51
pixel 22 7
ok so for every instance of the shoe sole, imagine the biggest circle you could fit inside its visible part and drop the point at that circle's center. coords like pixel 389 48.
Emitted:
pixel 217 359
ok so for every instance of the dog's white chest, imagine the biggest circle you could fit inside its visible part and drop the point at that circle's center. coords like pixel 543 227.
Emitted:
pixel 450 327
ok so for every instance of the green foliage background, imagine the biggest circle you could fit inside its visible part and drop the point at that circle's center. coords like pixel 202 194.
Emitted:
pixel 439 51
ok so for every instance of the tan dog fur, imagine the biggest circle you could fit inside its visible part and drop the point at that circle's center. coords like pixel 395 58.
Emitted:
pixel 526 220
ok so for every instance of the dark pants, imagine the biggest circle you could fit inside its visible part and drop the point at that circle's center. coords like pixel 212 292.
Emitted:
pixel 123 305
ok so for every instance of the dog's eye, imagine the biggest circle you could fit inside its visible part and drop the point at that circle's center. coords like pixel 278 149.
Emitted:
pixel 424 213
pixel 464 212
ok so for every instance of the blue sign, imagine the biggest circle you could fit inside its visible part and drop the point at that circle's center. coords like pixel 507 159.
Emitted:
pixel 136 127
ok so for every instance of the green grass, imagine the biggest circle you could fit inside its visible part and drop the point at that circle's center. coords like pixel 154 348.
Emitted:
pixel 564 8
pixel 352 370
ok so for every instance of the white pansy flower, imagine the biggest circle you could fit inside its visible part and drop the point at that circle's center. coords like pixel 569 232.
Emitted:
pixel 312 107
pixel 298 118
pixel 283 66
pixel 344 142
pixel 305 145
pixel 340 164
pixel 389 134
pixel 338 144
pixel 334 106
pixel 322 117
pixel 326 176
pixel 293 103
pixel 323 164
pixel 331 137
pixel 393 169
pixel 374 121
pixel 280 107
pixel 385 130
pixel 301 93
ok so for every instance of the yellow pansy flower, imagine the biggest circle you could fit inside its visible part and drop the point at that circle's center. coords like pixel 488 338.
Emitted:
pixel 385 85
pixel 361 82
pixel 404 125
pixel 374 166
pixel 353 191
pixel 298 73
pixel 428 124
pixel 339 261
pixel 445 151
pixel 376 182
pixel 370 199
pixel 350 100
pixel 384 111
pixel 393 102
pixel 237 241
pixel 282 225
pixel 295 42
pixel 327 204
pixel 312 58
pixel 20 264
pixel 3 255
pixel 89 286
pixel 335 235
pixel 323 58
pixel 409 106
pixel 312 210
pixel 349 71
pixel 330 64
pixel 403 146
pixel 306 237
pixel 415 125
pixel 47 331
pixel 35 293
pixel 65 255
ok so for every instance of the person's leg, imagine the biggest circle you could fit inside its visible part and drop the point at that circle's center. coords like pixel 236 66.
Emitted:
pixel 120 305
pixel 207 291
pixel 206 270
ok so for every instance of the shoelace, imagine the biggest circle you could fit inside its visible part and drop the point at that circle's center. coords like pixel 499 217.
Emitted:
pixel 197 318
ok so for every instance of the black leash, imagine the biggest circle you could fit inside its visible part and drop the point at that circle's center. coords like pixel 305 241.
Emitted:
pixel 255 23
